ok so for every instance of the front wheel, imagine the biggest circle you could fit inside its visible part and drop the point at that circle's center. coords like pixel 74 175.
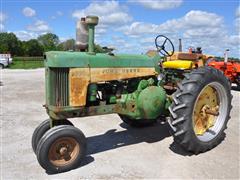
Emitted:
pixel 201 109
pixel 61 149
pixel 43 128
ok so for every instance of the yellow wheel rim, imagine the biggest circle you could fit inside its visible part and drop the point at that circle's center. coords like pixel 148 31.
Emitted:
pixel 206 110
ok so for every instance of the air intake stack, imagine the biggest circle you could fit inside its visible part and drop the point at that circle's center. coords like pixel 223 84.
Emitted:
pixel 85 33
pixel 91 22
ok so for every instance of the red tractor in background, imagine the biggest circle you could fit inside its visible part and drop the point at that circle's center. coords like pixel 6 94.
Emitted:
pixel 230 68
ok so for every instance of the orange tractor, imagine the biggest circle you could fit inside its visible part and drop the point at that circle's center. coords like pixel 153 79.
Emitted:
pixel 230 68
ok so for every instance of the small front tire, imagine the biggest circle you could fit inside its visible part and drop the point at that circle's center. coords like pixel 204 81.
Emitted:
pixel 61 149
pixel 42 129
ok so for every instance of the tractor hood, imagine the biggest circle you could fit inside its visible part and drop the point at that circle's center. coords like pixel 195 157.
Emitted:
pixel 99 60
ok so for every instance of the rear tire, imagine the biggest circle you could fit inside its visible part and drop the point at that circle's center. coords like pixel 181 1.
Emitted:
pixel 137 123
pixel 42 129
pixel 61 149
pixel 209 60
pixel 238 81
pixel 183 110
pixel 1 66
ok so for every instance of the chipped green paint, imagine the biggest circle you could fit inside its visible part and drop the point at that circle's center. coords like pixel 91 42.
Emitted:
pixel 100 60
pixel 59 97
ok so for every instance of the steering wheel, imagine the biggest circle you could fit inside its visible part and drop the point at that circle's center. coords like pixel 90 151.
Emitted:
pixel 165 42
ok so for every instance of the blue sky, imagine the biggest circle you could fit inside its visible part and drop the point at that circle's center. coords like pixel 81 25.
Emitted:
pixel 130 26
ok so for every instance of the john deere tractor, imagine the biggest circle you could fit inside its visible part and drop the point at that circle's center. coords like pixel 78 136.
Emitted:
pixel 85 83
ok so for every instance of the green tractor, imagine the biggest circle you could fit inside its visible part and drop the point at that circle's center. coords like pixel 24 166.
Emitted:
pixel 85 83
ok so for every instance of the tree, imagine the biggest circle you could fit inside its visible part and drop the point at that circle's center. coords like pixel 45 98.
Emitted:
pixel 33 48
pixel 60 47
pixel 66 45
pixel 49 41
pixel 9 43
pixel 22 49
pixel 69 44
pixel 100 49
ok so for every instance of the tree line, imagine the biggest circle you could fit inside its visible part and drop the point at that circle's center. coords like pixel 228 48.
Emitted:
pixel 9 43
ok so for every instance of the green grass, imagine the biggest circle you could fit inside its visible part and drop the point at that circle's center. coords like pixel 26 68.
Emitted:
pixel 26 64
pixel 37 58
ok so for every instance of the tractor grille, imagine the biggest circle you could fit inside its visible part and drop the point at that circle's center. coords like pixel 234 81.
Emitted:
pixel 60 86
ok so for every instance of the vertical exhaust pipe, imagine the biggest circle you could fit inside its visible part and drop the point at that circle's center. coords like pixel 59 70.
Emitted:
pixel 180 45
pixel 81 35
pixel 226 56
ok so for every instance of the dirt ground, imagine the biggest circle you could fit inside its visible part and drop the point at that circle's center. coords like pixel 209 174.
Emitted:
pixel 114 149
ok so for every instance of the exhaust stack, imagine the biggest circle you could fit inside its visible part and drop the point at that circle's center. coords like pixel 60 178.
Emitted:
pixel 180 45
pixel 226 56
pixel 81 35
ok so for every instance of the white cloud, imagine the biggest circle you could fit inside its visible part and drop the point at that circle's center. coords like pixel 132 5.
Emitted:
pixel 201 32
pixel 233 40
pixel 238 11
pixel 39 26
pixel 59 13
pixel 1 27
pixel 158 4
pixel 201 18
pixel 25 35
pixel 109 13
pixel 120 41
pixel 101 30
pixel 3 17
pixel 237 20
pixel 147 40
pixel 28 12
pixel 194 23
pixel 237 25
pixel 196 28
pixel 78 14
pixel 138 28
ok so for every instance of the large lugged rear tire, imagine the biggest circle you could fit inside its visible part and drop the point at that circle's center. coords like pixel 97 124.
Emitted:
pixel 238 81
pixel 200 110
